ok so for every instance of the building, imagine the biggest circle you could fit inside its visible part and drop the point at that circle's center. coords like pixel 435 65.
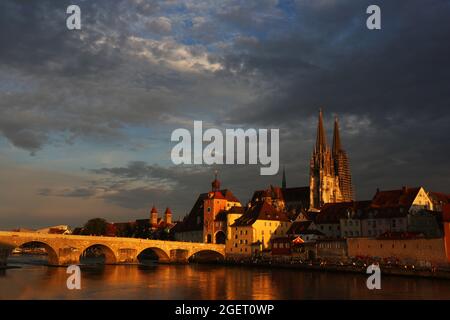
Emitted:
pixel 253 231
pixel 61 229
pixel 413 199
pixel 400 210
pixel 224 220
pixel 439 200
pixel 341 219
pixel 305 230
pixel 201 224
pixel 330 178
pixel 446 227
pixel 401 248
pixel 291 200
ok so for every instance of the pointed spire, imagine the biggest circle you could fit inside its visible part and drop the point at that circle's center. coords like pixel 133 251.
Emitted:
pixel 215 185
pixel 283 182
pixel 321 140
pixel 154 210
pixel 336 137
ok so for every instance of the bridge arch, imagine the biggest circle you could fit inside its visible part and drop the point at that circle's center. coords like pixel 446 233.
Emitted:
pixel 206 255
pixel 52 253
pixel 99 250
pixel 153 252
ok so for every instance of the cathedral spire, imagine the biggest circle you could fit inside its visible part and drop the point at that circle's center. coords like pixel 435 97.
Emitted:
pixel 283 182
pixel 321 140
pixel 336 137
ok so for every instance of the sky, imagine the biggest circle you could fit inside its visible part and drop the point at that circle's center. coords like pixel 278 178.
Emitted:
pixel 86 115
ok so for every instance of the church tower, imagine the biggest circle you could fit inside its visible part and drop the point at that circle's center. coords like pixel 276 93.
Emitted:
pixel 323 182
pixel 341 165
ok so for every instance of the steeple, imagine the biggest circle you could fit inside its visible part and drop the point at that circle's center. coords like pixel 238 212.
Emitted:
pixel 168 216
pixel 215 185
pixel 321 140
pixel 283 182
pixel 336 138
pixel 154 216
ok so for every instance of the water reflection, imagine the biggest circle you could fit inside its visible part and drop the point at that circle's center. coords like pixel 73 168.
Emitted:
pixel 153 281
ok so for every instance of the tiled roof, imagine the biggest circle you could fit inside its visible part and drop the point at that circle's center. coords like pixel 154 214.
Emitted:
pixel 299 227
pixel 446 213
pixel 222 215
pixel 299 195
pixel 261 211
pixel 439 197
pixel 393 198
pixel 194 220
pixel 386 213
pixel 333 212
pixel 191 222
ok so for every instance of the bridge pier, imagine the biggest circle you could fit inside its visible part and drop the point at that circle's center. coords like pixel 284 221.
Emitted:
pixel 179 256
pixel 4 253
pixel 66 256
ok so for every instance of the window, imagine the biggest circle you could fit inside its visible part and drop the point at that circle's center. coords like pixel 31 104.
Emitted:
pixel 208 209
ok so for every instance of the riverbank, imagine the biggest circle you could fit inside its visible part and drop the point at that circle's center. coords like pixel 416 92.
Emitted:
pixel 337 268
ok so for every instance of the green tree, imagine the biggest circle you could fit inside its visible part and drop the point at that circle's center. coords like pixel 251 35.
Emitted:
pixel 96 227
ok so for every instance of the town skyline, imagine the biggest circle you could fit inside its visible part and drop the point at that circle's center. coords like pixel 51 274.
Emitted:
pixel 321 145
pixel 86 115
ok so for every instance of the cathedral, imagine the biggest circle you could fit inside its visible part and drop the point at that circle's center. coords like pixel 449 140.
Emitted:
pixel 330 178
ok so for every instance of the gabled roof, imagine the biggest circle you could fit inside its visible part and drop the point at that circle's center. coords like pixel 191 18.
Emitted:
pixel 222 215
pixel 446 213
pixel 439 197
pixel 194 220
pixel 229 195
pixel 386 213
pixel 298 194
pixel 299 227
pixel 333 212
pixel 263 210
pixel 393 198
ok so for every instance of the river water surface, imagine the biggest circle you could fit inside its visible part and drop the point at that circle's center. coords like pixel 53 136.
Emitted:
pixel 34 280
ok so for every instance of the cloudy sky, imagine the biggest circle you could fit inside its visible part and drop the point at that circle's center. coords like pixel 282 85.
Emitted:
pixel 86 116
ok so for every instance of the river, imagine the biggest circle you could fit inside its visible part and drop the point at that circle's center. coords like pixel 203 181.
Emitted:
pixel 34 280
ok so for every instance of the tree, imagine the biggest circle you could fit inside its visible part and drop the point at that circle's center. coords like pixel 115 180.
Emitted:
pixel 96 227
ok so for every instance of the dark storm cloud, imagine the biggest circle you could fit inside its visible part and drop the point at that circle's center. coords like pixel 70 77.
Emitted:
pixel 394 82
pixel 94 83
pixel 329 58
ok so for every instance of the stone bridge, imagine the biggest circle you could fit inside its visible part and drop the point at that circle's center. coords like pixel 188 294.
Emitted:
pixel 67 249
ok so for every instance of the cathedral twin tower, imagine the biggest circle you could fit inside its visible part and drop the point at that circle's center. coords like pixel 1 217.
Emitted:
pixel 330 178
